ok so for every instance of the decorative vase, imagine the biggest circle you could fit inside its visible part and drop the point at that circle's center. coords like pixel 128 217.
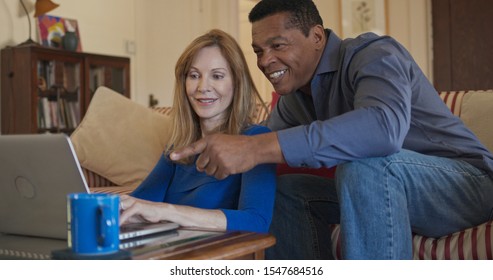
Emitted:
pixel 70 41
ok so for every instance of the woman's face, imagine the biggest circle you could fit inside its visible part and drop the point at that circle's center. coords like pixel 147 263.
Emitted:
pixel 209 86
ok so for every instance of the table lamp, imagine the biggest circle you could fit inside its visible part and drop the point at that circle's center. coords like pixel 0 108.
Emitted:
pixel 40 8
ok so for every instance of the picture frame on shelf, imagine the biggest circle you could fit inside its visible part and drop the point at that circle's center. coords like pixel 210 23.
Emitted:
pixel 360 16
pixel 52 30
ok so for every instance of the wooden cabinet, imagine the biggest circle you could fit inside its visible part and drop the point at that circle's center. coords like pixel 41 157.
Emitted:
pixel 49 90
pixel 462 48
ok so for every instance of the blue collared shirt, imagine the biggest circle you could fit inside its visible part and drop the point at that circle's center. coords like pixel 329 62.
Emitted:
pixel 369 99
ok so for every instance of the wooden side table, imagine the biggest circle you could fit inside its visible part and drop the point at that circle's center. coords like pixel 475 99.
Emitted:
pixel 235 245
pixel 186 244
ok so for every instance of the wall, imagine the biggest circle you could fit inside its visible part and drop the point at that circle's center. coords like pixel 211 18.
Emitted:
pixel 164 29
pixel 409 21
pixel 160 30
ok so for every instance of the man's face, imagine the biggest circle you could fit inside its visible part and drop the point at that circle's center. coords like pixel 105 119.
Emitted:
pixel 286 57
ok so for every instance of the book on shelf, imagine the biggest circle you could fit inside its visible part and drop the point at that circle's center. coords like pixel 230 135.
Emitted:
pixel 74 113
pixel 71 75
pixel 97 78
pixel 59 74
pixel 58 113
pixel 50 73
pixel 41 115
pixel 62 114
pixel 53 114
pixel 58 91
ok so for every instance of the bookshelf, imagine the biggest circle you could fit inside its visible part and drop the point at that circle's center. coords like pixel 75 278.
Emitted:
pixel 46 90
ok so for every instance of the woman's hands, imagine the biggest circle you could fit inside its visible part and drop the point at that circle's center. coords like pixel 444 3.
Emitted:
pixel 134 210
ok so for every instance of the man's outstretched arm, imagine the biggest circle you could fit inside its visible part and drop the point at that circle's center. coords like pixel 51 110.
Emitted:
pixel 221 155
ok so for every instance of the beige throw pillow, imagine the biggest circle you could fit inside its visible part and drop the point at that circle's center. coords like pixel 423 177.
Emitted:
pixel 477 114
pixel 120 139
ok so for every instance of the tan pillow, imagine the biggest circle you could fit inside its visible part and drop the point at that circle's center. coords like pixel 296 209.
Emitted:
pixel 120 139
pixel 477 114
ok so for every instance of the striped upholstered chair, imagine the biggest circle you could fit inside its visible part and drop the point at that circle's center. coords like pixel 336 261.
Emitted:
pixel 475 108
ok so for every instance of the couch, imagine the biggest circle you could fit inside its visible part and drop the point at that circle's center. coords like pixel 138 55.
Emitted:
pixel 475 108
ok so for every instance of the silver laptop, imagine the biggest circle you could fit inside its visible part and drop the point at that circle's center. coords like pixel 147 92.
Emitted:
pixel 37 172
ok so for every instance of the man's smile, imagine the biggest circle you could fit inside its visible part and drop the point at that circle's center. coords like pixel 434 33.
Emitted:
pixel 276 75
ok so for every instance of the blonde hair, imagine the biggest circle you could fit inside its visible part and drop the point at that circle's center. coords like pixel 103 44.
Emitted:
pixel 186 125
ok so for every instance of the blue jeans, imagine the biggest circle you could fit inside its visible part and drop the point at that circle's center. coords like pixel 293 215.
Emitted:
pixel 383 200
pixel 305 207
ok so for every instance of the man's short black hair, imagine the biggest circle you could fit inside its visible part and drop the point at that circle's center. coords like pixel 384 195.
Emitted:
pixel 303 13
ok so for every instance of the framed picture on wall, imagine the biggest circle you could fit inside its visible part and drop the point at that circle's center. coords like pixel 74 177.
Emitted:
pixel 360 16
pixel 52 29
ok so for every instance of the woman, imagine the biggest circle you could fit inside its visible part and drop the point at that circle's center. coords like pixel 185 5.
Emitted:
pixel 214 93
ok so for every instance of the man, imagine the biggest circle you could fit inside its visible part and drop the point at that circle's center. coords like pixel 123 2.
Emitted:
pixel 404 162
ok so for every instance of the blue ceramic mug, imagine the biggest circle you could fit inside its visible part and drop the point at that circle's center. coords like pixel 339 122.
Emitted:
pixel 93 223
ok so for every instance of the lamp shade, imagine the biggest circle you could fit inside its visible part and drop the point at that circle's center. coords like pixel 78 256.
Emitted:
pixel 44 6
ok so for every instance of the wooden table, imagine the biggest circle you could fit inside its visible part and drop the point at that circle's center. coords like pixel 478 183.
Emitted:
pixel 235 245
pixel 186 244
